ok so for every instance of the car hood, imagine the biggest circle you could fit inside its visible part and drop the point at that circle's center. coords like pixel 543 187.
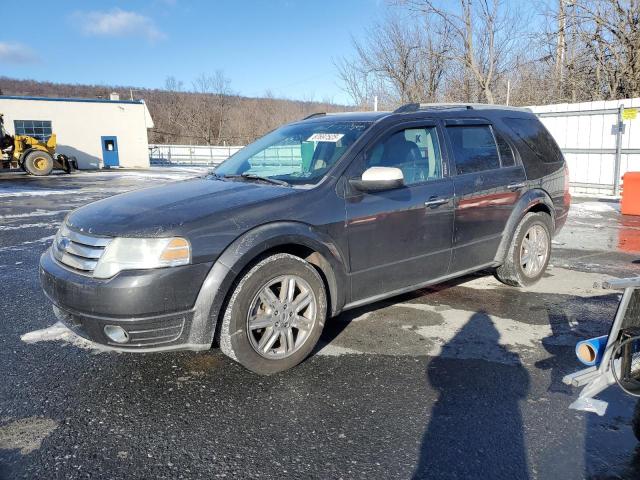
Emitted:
pixel 172 209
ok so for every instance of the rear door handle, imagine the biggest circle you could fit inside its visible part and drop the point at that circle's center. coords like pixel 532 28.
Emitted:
pixel 516 186
pixel 436 202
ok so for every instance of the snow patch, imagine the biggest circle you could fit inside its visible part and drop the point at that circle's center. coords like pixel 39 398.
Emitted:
pixel 59 333
pixel 362 316
pixel 337 351
pixel 29 225
pixel 28 242
pixel 482 343
pixel 35 213
pixel 31 192
pixel 593 209
pixel 26 434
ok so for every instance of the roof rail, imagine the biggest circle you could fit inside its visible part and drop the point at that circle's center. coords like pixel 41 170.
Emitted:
pixel 317 114
pixel 414 107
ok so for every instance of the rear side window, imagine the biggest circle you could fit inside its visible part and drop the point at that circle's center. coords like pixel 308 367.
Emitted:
pixel 532 132
pixel 474 148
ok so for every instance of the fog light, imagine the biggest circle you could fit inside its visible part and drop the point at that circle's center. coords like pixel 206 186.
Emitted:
pixel 116 334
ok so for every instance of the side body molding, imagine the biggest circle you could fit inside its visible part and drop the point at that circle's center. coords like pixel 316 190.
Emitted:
pixel 528 201
pixel 250 245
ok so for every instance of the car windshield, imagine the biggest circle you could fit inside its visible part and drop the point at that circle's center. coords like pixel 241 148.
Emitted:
pixel 296 154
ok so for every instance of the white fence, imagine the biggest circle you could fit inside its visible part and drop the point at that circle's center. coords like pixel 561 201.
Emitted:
pixel 597 150
pixel 190 154
pixel 272 159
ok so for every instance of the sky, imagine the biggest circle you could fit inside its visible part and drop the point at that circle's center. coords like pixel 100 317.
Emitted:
pixel 285 46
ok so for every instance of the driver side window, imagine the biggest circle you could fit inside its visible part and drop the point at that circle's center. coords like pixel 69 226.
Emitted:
pixel 415 151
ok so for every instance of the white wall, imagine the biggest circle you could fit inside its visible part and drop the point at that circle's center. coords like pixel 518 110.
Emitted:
pixel 593 132
pixel 80 124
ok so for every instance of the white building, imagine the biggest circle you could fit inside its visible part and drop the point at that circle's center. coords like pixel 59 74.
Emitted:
pixel 99 133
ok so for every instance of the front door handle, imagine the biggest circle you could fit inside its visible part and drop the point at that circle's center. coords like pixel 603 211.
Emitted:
pixel 516 186
pixel 436 202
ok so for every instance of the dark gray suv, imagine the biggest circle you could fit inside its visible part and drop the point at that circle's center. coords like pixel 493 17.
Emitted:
pixel 317 217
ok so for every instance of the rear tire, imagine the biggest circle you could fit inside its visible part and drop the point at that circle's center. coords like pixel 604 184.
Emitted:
pixel 529 252
pixel 38 163
pixel 275 315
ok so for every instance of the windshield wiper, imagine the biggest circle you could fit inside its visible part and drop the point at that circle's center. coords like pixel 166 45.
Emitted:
pixel 251 176
pixel 275 181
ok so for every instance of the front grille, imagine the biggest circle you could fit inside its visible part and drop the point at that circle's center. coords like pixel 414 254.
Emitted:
pixel 78 251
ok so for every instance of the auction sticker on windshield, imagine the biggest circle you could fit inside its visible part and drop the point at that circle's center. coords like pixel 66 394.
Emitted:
pixel 325 137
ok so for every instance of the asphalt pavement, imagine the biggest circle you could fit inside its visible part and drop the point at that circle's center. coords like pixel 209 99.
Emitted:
pixel 462 380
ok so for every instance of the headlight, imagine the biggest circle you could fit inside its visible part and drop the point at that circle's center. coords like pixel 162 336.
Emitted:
pixel 142 253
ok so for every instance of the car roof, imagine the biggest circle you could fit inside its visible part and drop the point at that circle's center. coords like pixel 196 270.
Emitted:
pixel 346 116
pixel 420 109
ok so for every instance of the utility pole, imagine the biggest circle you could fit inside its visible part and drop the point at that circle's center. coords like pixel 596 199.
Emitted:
pixel 619 130
pixel 561 45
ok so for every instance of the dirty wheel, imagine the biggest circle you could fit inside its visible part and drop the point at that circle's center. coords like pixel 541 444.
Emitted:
pixel 38 163
pixel 529 252
pixel 275 315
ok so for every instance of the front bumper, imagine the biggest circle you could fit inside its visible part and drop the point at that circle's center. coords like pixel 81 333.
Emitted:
pixel 159 309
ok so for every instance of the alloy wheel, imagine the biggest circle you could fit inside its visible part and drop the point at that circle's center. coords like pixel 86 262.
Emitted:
pixel 281 317
pixel 534 250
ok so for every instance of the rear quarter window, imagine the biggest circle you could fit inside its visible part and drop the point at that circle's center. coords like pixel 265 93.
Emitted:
pixel 533 133
pixel 507 158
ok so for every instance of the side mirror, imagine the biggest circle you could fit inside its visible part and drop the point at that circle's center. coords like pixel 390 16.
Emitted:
pixel 375 179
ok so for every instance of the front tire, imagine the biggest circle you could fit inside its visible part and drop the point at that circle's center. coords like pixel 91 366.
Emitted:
pixel 529 252
pixel 38 163
pixel 275 315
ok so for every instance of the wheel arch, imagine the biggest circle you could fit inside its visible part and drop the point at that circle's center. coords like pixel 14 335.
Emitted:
pixel 295 238
pixel 535 200
pixel 24 154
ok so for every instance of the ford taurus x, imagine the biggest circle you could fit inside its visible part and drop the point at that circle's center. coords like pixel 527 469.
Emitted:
pixel 319 216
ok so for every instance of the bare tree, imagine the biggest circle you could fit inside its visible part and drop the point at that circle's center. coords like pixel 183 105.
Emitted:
pixel 210 115
pixel 355 81
pixel 484 33
pixel 397 61
pixel 597 49
pixel 610 31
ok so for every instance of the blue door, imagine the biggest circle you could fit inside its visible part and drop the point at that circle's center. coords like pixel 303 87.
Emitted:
pixel 110 152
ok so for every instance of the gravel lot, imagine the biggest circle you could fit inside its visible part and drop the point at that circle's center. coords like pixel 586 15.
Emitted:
pixel 458 381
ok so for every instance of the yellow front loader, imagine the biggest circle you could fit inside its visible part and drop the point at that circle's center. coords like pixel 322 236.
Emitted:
pixel 32 155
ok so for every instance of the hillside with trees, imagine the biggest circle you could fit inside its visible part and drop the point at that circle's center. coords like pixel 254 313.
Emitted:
pixel 207 113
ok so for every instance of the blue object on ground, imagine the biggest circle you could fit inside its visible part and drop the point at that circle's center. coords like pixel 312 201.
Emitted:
pixel 595 346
